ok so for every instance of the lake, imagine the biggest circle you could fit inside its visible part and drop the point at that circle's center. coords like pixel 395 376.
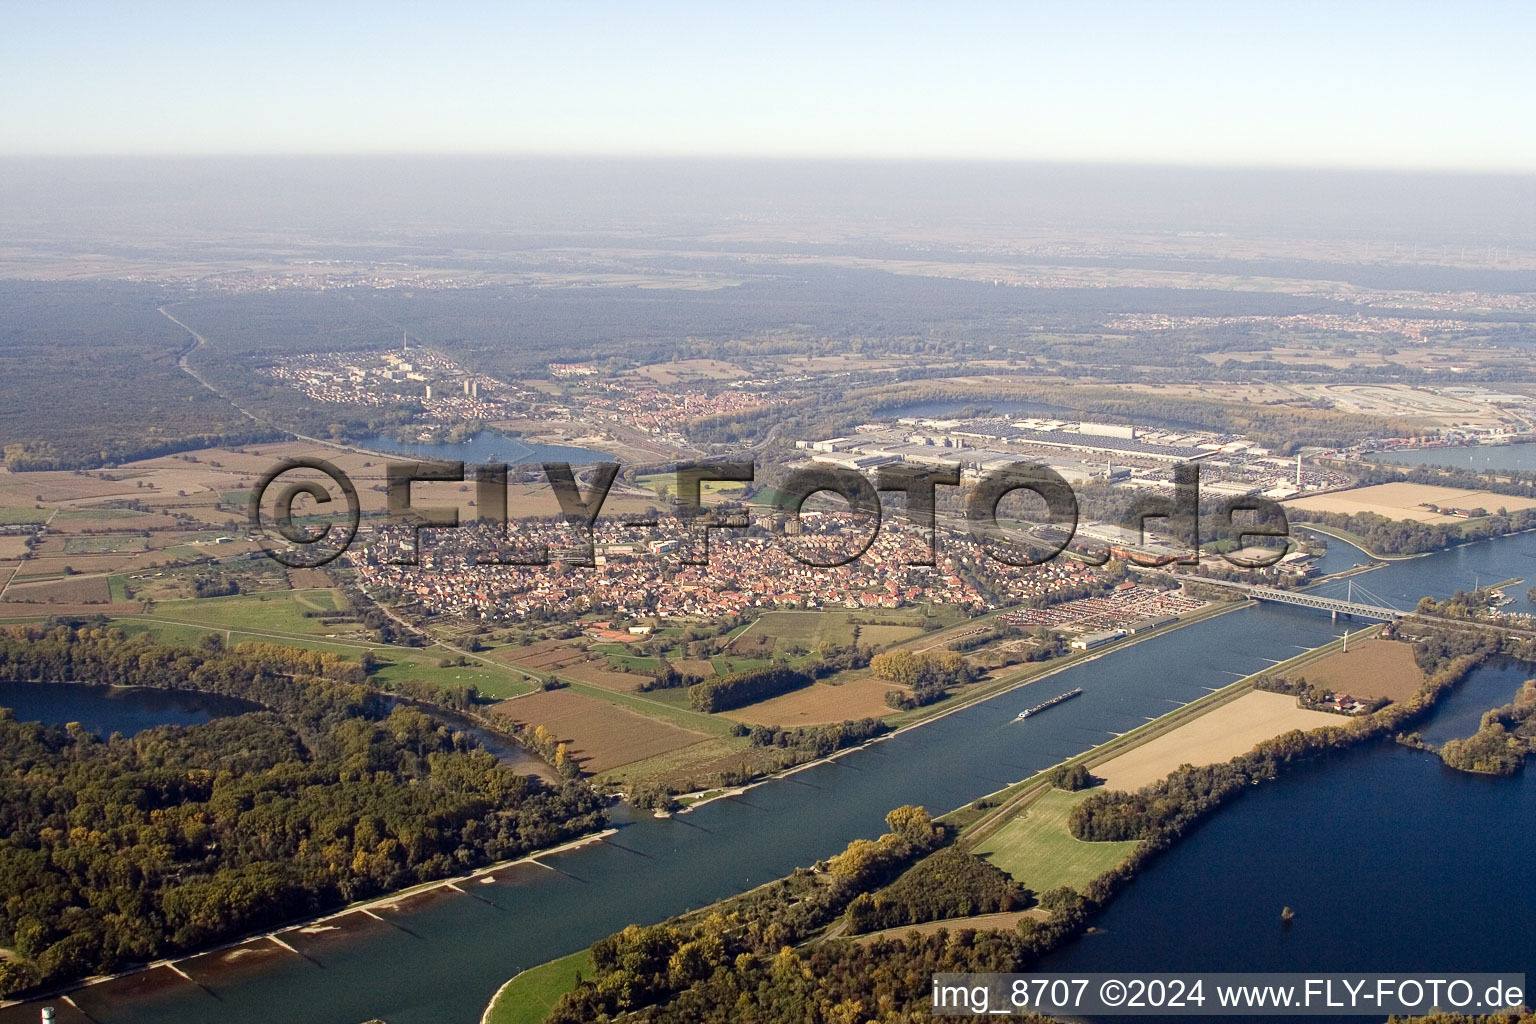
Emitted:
pixel 107 709
pixel 1391 861
pixel 1479 457
pixel 1393 824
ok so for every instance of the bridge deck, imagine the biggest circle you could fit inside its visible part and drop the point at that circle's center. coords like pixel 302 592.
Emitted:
pixel 1305 600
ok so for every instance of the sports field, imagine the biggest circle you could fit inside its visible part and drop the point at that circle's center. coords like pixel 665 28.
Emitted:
pixel 1038 849
pixel 1219 735
pixel 667 482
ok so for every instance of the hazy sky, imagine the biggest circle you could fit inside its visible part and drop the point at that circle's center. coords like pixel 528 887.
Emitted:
pixel 1400 85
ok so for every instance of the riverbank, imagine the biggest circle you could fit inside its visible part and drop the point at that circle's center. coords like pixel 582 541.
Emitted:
pixel 233 948
pixel 1012 799
pixel 987 691
pixel 460 949
pixel 1356 541
pixel 1016 798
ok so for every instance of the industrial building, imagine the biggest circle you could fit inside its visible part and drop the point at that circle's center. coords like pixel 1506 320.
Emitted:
pixel 1088 641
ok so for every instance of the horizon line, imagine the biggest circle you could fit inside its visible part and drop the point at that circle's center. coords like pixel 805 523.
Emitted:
pixel 612 156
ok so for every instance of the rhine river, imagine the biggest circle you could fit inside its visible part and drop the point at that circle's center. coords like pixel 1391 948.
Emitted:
pixel 1391 861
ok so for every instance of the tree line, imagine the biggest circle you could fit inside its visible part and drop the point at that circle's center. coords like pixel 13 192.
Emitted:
pixel 817 740
pixel 746 959
pixel 949 883
pixel 1160 813
pixel 1404 537
pixel 1503 739
pixel 927 675
pixel 746 687
pixel 122 850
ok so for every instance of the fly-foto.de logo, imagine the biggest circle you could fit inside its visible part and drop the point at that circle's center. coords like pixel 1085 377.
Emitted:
pixel 326 530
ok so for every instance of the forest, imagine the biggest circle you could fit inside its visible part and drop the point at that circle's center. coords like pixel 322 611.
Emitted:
pixel 88 377
pixel 817 740
pixel 748 953
pixel 1504 738
pixel 120 850
pixel 950 883
pixel 927 675
pixel 746 687
pixel 1403 537
pixel 1519 483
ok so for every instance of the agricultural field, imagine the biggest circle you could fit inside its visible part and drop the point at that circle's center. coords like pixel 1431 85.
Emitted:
pixel 70 590
pixel 543 655
pixel 780 632
pixel 690 370
pixel 275 611
pixel 1219 735
pixel 56 550
pixel 597 734
pixel 694 667
pixel 688 768
pixel 569 660
pixel 598 672
pixel 396 664
pixel 666 484
pixel 19 492
pixel 820 703
pixel 1038 849
pixel 1371 669
pixel 90 521
pixel 93 517
pixel 105 544
pixel 210 487
pixel 1405 501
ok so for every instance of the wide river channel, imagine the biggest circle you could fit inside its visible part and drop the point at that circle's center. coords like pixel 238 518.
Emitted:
pixel 1391 861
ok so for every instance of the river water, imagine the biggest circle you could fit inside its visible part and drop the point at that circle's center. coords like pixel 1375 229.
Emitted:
pixel 1382 824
